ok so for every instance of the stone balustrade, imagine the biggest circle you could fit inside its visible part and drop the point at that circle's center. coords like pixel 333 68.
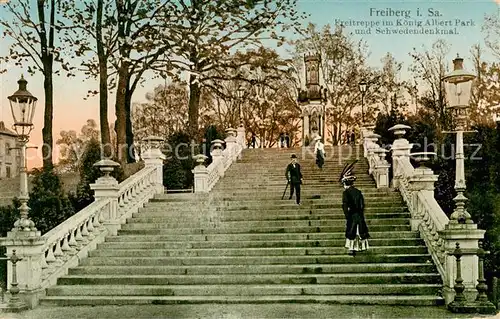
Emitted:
pixel 205 178
pixel 378 166
pixel 440 234
pixel 48 257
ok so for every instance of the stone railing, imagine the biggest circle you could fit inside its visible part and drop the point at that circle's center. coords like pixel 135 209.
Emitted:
pixel 375 155
pixel 440 234
pixel 46 258
pixel 205 178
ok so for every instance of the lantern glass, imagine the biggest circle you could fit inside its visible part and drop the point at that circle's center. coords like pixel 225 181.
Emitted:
pixel 362 86
pixel 22 106
pixel 458 94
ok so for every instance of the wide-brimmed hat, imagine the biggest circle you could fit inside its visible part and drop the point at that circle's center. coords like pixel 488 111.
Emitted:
pixel 293 156
pixel 347 176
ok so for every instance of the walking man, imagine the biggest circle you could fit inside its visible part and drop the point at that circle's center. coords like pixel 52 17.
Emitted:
pixel 353 205
pixel 294 178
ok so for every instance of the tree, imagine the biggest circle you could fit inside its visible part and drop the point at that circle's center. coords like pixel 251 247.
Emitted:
pixel 73 145
pixel 429 67
pixel 205 32
pixel 342 67
pixel 486 88
pixel 129 41
pixel 35 46
pixel 491 27
pixel 164 113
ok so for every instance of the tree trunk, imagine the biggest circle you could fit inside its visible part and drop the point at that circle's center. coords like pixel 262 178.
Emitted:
pixel 194 105
pixel 103 86
pixel 128 126
pixel 121 114
pixel 48 116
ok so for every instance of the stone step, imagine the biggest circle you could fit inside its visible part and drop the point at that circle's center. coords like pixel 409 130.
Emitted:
pixel 242 290
pixel 223 252
pixel 252 260
pixel 389 300
pixel 252 244
pixel 251 279
pixel 255 236
pixel 256 269
pixel 152 229
pixel 284 207
pixel 175 217
pixel 215 222
pixel 162 214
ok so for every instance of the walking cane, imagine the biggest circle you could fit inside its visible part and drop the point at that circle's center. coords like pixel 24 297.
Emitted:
pixel 282 196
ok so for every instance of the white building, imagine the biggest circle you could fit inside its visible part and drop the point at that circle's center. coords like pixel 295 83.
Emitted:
pixel 9 157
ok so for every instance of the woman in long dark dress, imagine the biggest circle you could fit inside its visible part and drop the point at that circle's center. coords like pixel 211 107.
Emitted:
pixel 353 205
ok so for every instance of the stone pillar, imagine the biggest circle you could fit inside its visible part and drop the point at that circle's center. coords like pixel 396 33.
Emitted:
pixel 468 236
pixel 29 268
pixel 366 130
pixel 217 156
pixel 231 142
pixel 422 182
pixel 370 142
pixel 382 169
pixel 241 137
pixel 106 187
pixel 306 130
pixel 153 157
pixel 400 152
pixel 200 174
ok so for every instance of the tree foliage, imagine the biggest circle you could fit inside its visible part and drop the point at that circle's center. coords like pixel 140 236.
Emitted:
pixel 206 32
pixel 36 46
pixel 73 145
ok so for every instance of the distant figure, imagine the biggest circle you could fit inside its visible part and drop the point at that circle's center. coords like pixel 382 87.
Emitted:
pixel 253 140
pixel 319 150
pixel 294 178
pixel 282 140
pixel 348 137
pixel 353 138
pixel 287 140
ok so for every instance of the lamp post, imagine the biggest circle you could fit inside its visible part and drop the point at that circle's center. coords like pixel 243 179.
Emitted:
pixel 362 89
pixel 240 92
pixel 458 87
pixel 22 105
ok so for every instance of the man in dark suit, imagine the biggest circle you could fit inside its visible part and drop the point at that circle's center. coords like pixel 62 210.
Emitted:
pixel 294 178
pixel 353 204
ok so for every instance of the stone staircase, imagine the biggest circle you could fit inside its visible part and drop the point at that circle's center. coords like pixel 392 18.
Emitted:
pixel 243 244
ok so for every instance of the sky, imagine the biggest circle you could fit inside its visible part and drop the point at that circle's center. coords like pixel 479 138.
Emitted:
pixel 465 17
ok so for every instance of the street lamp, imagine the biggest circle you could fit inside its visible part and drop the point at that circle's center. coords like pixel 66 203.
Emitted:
pixel 22 106
pixel 458 87
pixel 240 92
pixel 362 89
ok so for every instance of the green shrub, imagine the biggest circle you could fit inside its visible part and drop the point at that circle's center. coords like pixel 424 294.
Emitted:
pixel 179 162
pixel 89 174
pixel 49 205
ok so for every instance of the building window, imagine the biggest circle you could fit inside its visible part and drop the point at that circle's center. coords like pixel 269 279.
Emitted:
pixel 7 172
pixel 7 149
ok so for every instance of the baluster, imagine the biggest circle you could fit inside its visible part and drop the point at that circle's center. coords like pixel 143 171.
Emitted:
pixel 58 253
pixel 90 228
pixel 65 246
pixel 85 233
pixel 78 236
pixel 72 240
pixel 50 255
pixel 44 264
pixel 98 217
